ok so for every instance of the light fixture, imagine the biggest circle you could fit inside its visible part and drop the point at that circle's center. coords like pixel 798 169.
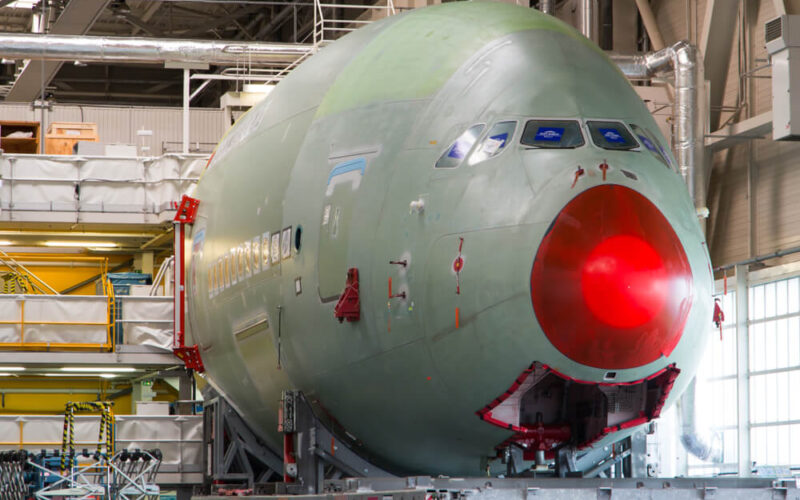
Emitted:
pixel 84 375
pixel 12 368
pixel 80 244
pixel 7 374
pixel 5 243
pixel 98 369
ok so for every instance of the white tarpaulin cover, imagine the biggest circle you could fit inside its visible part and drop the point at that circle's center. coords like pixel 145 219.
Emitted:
pixel 80 319
pixel 97 184
pixel 179 437
pixel 147 321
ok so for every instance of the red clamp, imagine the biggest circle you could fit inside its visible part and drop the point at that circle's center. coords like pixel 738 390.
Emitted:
pixel 190 355
pixel 187 209
pixel 604 168
pixel 349 305
pixel 578 173
pixel 718 317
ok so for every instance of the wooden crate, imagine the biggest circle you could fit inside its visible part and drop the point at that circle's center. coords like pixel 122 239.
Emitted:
pixel 19 145
pixel 61 137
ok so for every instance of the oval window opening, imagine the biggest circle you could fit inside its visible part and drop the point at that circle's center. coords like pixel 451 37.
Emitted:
pixel 298 238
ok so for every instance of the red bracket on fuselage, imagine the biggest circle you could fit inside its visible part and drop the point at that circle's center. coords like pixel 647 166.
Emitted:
pixel 187 209
pixel 349 305
pixel 190 355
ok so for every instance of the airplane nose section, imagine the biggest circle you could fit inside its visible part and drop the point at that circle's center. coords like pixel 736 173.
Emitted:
pixel 611 285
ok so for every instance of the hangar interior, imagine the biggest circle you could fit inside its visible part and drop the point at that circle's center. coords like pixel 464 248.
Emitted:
pixel 111 110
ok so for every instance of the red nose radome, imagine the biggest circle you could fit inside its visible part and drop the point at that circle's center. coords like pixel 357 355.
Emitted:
pixel 611 285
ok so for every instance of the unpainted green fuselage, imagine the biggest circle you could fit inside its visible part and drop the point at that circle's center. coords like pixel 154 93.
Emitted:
pixel 389 99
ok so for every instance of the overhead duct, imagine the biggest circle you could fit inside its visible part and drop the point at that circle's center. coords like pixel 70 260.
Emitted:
pixel 588 20
pixel 685 62
pixel 145 50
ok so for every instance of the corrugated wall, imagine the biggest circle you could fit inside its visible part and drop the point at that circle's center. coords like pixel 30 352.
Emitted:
pixel 774 174
pixel 120 124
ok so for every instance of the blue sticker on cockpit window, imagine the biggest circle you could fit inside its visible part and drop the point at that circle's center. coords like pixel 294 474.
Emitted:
pixel 648 144
pixel 612 135
pixel 501 139
pixel 549 134
pixel 459 149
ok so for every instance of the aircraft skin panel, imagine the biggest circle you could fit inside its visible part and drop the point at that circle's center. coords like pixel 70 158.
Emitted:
pixel 340 151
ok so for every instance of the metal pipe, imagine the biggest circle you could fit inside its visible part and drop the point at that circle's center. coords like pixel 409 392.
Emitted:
pixel 684 60
pixel 163 50
pixel 755 260
pixel 548 7
pixel 706 447
pixel 588 19
pixel 650 24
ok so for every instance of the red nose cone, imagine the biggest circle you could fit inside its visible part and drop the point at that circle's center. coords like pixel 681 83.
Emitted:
pixel 611 285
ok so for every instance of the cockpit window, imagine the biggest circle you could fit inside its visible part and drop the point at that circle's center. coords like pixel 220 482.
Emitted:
pixel 460 148
pixel 651 144
pixel 495 142
pixel 552 134
pixel 611 135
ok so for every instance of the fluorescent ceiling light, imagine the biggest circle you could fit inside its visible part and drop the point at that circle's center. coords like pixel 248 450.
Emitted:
pixel 23 4
pixel 81 244
pixel 5 243
pixel 7 374
pixel 12 368
pixel 97 369
pixel 85 375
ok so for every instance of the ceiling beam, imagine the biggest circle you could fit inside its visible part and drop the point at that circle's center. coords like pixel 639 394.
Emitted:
pixel 716 44
pixel 76 19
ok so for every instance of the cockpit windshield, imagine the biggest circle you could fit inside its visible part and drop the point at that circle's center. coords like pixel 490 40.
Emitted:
pixel 453 156
pixel 558 134
pixel 495 142
pixel 611 135
pixel 651 144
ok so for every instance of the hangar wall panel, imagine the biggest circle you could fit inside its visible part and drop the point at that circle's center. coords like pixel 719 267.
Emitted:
pixel 734 233
pixel 120 124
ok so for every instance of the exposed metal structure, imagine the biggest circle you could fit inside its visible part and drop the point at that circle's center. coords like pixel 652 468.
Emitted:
pixel 423 487
pixel 166 50
pixel 588 19
pixel 688 145
pixel 548 6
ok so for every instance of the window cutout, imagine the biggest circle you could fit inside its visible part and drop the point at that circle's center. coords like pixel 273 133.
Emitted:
pixel 265 242
pixel 298 238
pixel 275 248
pixel 248 271
pixel 650 143
pixel 611 135
pixel 460 148
pixel 256 256
pixel 610 376
pixel 240 262
pixel 552 134
pixel 495 142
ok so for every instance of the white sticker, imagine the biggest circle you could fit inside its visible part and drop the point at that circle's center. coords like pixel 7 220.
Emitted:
pixel 490 146
pixel 326 215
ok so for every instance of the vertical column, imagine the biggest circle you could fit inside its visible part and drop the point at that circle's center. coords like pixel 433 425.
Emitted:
pixel 186 89
pixel 743 371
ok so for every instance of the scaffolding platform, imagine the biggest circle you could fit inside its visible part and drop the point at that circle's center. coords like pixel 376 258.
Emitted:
pixel 95 189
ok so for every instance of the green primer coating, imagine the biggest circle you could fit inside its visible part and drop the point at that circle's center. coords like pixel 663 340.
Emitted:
pixel 416 55
pixel 403 379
